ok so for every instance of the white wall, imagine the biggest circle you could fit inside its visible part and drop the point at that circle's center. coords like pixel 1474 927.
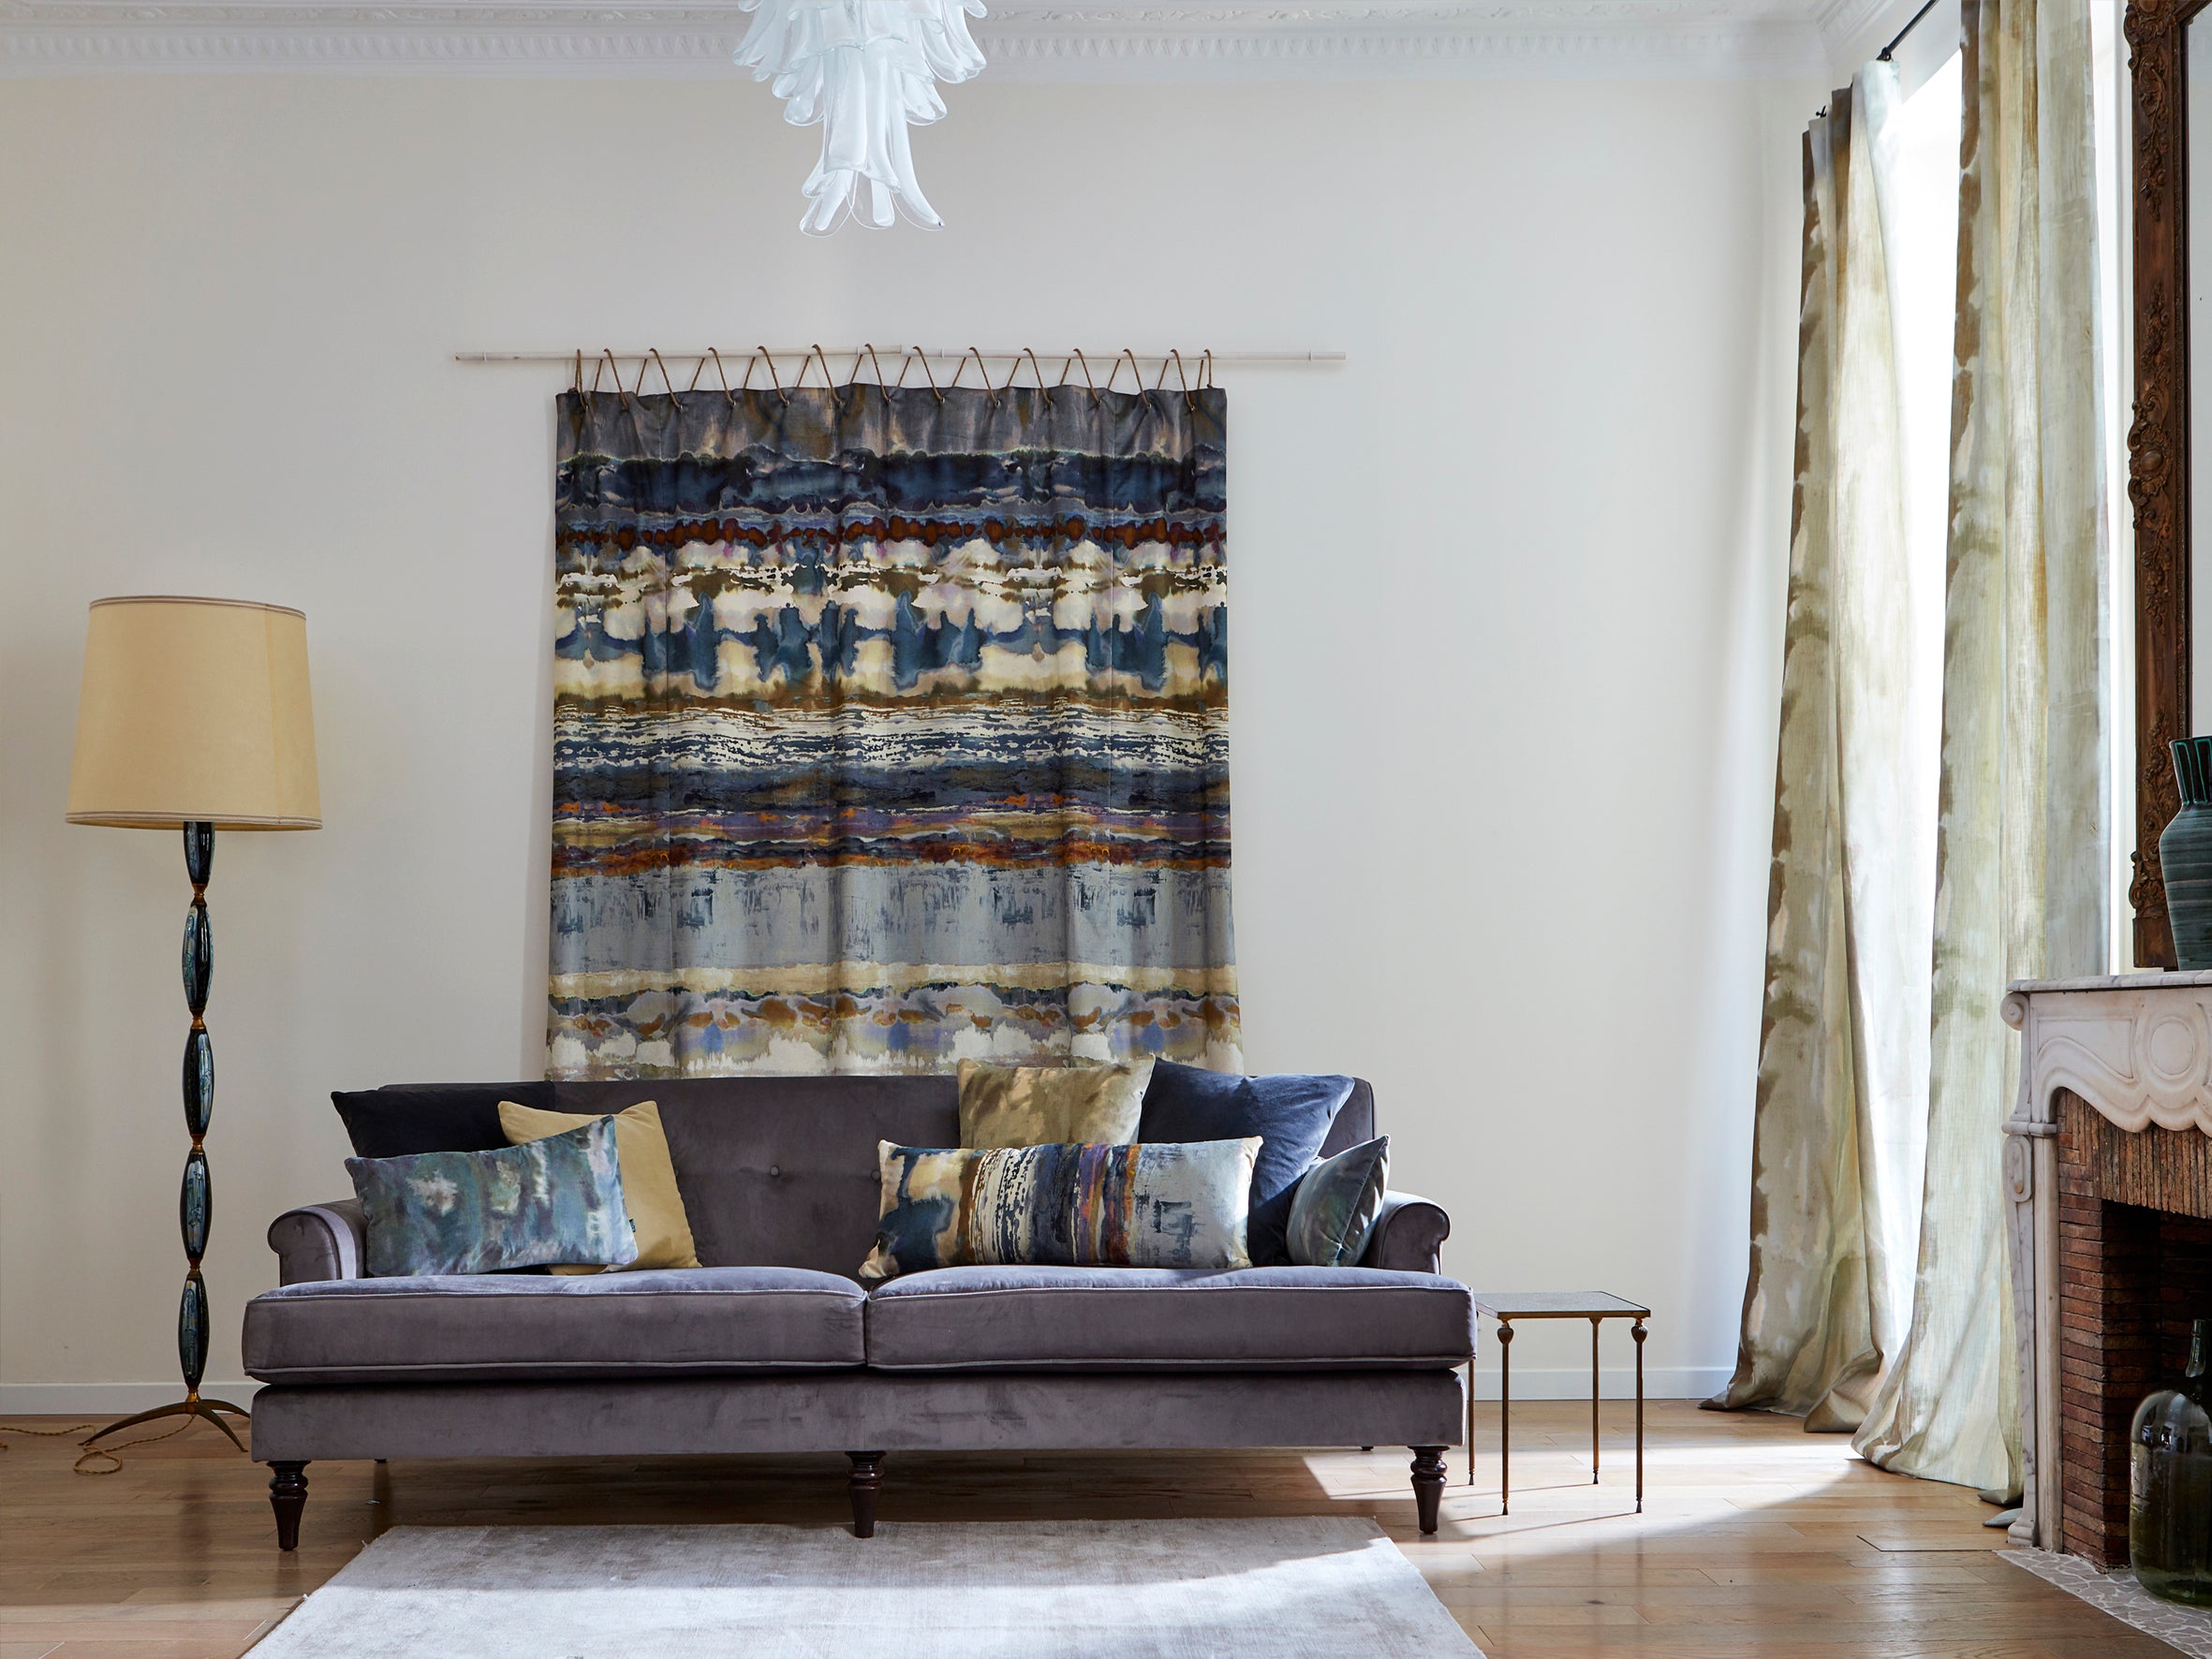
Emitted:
pixel 1507 601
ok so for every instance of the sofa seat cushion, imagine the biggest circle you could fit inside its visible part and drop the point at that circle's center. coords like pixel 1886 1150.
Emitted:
pixel 1029 1318
pixel 487 1328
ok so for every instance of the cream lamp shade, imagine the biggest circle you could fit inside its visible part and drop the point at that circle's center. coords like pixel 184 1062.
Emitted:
pixel 195 711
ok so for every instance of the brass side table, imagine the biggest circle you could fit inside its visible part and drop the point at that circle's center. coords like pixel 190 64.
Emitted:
pixel 1594 1305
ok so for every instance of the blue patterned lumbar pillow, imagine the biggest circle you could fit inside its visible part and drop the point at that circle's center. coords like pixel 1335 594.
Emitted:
pixel 1291 1112
pixel 1337 1205
pixel 554 1200
pixel 1165 1206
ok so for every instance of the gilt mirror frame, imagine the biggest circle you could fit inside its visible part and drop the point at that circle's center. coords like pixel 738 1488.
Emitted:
pixel 2158 443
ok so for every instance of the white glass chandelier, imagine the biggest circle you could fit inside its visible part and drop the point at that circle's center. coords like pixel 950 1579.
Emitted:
pixel 865 69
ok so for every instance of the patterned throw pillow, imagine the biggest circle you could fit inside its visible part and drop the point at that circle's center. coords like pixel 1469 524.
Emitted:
pixel 1163 1206
pixel 554 1200
pixel 1336 1205
pixel 649 1191
pixel 1051 1105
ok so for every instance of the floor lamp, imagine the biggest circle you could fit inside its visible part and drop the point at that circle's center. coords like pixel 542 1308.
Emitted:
pixel 195 716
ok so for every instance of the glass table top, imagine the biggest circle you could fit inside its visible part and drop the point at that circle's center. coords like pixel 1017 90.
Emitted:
pixel 1556 1304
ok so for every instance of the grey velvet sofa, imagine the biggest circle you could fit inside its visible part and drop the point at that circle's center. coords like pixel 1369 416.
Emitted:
pixel 772 1346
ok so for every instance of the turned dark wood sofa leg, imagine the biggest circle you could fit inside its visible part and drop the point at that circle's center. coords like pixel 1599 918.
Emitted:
pixel 865 1483
pixel 1428 1483
pixel 287 1496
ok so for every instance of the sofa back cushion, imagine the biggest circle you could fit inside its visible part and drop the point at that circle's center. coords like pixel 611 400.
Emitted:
pixel 783 1172
pixel 1354 1121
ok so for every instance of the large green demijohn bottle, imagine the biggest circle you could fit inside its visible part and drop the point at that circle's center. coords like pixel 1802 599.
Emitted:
pixel 2170 1483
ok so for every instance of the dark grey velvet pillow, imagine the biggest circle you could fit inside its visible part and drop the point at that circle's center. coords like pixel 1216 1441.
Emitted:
pixel 1334 1207
pixel 399 1122
pixel 1291 1112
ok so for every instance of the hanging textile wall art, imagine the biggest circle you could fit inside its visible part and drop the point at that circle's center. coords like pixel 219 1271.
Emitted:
pixel 891 729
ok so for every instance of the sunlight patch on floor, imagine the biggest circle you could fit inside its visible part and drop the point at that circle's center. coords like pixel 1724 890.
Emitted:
pixel 1704 1498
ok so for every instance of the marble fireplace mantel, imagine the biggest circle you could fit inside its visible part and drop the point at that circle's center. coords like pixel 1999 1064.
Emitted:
pixel 2136 1049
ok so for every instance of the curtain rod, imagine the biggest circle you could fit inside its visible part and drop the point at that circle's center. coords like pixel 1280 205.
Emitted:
pixel 904 351
pixel 1898 38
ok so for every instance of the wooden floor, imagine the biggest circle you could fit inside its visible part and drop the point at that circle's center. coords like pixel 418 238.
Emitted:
pixel 1757 1537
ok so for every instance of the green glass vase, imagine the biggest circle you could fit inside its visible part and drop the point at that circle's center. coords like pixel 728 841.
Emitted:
pixel 2170 1484
pixel 2185 855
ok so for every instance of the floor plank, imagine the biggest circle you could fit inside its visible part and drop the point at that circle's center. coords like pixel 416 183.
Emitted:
pixel 1756 1536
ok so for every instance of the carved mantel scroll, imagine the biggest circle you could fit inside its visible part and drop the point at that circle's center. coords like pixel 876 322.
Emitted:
pixel 2137 1048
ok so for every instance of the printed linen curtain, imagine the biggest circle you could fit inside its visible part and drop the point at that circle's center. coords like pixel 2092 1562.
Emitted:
pixel 891 728
pixel 2021 823
pixel 2023 862
pixel 1843 1055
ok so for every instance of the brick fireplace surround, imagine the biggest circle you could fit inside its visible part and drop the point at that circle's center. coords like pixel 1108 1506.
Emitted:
pixel 2109 1169
pixel 2135 1269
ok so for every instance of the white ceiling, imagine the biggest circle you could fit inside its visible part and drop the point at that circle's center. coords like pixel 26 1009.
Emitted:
pixel 1025 39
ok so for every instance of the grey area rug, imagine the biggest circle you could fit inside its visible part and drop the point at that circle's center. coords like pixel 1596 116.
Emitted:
pixel 2117 1593
pixel 1299 1589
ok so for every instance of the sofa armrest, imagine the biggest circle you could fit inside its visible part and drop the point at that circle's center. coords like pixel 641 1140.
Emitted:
pixel 1408 1235
pixel 319 1241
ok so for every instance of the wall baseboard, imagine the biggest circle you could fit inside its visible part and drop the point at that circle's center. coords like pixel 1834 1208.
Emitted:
pixel 1533 1382
pixel 110 1399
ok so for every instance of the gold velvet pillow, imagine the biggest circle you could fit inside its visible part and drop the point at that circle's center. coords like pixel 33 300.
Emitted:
pixel 648 1179
pixel 1051 1105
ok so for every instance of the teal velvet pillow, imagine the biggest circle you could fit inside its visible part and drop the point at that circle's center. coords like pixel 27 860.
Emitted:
pixel 555 1200
pixel 1337 1205
pixel 1166 1205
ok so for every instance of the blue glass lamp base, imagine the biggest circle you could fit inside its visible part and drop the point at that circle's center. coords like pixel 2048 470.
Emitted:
pixel 195 1200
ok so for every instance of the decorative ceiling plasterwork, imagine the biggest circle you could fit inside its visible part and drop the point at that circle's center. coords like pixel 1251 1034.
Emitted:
pixel 1023 39
pixel 1841 21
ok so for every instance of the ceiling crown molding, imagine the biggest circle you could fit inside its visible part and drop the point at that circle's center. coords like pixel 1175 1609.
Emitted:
pixel 1839 20
pixel 1023 39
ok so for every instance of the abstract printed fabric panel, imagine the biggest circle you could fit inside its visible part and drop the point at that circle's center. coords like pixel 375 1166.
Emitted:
pixel 891 729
